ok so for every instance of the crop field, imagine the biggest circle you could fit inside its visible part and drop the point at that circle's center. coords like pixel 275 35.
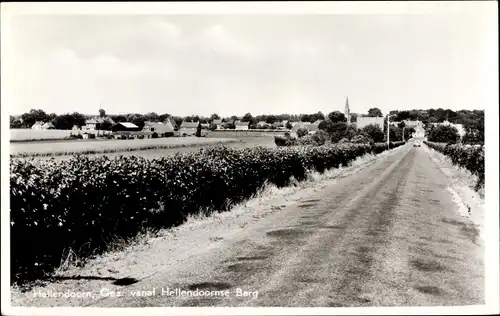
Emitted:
pixel 61 148
pixel 27 134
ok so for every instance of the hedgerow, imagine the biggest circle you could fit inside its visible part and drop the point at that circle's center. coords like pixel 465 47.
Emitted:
pixel 465 156
pixel 83 203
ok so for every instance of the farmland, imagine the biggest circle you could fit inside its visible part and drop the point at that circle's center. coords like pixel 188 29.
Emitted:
pixel 28 134
pixel 61 148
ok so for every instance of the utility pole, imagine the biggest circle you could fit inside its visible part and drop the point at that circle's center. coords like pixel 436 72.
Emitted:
pixel 388 129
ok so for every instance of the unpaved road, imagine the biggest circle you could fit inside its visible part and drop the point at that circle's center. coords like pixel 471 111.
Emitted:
pixel 388 235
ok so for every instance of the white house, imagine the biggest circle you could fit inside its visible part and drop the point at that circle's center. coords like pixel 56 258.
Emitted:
pixel 188 128
pixel 241 126
pixel 38 125
pixel 217 123
pixel 362 121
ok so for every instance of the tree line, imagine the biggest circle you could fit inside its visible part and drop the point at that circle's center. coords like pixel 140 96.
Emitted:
pixel 473 121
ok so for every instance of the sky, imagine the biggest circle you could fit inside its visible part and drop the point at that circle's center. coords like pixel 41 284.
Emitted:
pixel 262 64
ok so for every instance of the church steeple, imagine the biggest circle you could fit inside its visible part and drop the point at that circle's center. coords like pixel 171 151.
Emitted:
pixel 347 112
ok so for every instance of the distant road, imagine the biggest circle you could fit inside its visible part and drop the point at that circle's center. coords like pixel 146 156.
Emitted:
pixel 388 235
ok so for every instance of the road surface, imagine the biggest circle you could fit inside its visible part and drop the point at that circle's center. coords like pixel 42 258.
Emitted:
pixel 388 235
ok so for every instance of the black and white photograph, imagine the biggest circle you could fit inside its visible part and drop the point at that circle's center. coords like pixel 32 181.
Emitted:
pixel 250 158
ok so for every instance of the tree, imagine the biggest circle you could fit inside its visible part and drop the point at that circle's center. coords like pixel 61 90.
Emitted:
pixel 234 118
pixel 229 125
pixel 395 134
pixel 305 118
pixel 474 131
pixel 34 116
pixel 270 119
pixel 288 125
pixel 152 117
pixel 374 132
pixel 247 118
pixel 408 132
pixel 102 113
pixel 444 134
pixel 354 117
pixel 163 117
pixel 198 130
pixel 301 132
pixel 316 117
pixel 214 116
pixel 336 116
pixel 106 126
pixel 15 123
pixel 65 121
pixel 136 119
pixel 374 112
pixel 339 130
pixel 119 118
pixel 78 119
pixel 401 124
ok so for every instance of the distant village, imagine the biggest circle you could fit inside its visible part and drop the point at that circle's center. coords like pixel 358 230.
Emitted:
pixel 103 125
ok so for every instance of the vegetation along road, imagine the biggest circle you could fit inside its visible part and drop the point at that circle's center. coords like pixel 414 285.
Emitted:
pixel 388 234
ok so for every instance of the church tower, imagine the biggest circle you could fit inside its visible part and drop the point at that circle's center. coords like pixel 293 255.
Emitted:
pixel 347 112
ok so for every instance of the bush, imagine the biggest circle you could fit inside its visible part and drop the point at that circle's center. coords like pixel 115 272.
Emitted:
pixel 85 202
pixel 374 132
pixel 281 141
pixel 320 137
pixel 140 136
pixel 343 140
pixel 444 134
pixel 301 132
pixel 154 135
pixel 361 139
pixel 465 156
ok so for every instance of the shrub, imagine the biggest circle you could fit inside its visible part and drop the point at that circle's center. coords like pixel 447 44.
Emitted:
pixel 444 134
pixel 468 157
pixel 301 132
pixel 361 139
pixel 154 135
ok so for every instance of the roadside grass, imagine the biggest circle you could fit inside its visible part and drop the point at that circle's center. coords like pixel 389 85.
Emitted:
pixel 463 188
pixel 459 175
pixel 268 200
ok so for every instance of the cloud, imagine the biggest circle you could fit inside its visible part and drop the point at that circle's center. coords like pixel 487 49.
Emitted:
pixel 206 64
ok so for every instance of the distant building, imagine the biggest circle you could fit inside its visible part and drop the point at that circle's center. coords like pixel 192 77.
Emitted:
pixel 161 129
pixel 419 131
pixel 241 126
pixel 188 128
pixel 217 123
pixel 413 124
pixel 347 111
pixel 48 125
pixel 460 128
pixel 38 125
pixel 76 130
pixel 125 127
pixel 262 124
pixel 362 121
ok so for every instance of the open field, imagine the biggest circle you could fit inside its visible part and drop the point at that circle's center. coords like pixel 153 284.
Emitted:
pixel 237 143
pixel 48 149
pixel 27 134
